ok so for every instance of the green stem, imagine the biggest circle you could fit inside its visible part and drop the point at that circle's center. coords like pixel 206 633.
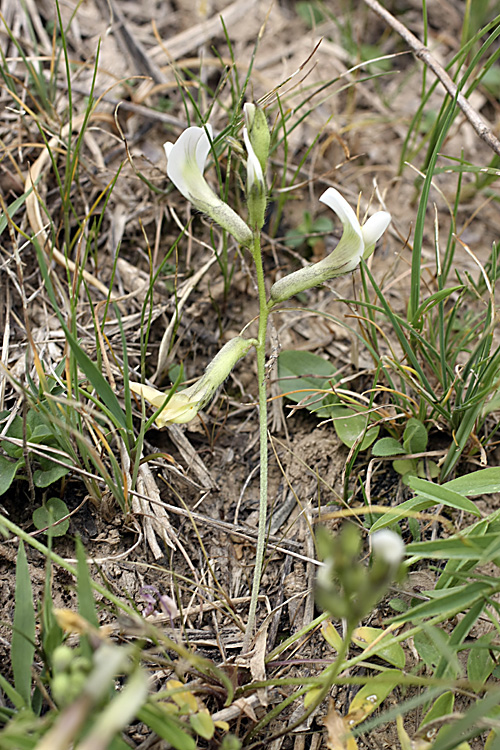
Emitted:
pixel 261 375
pixel 328 677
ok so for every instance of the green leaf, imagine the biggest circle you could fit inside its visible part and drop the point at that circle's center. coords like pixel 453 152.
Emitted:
pixel 23 634
pixel 15 431
pixel 442 706
pixel 165 727
pixel 98 381
pixel 468 722
pixel 370 696
pixel 331 635
pixel 8 471
pixel 50 513
pixel 454 548
pixel 442 494
pixel 388 650
pixel 482 482
pixel 14 697
pixel 480 663
pixel 387 446
pixel 429 494
pixel 202 724
pixel 86 602
pixel 450 604
pixel 434 299
pixel 426 646
pixel 405 466
pixel 351 424
pixel 44 478
pixel 415 436
pixel 13 208
pixel 304 372
pixel 90 370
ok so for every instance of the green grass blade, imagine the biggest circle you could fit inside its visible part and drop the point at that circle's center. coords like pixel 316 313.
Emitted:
pixel 23 635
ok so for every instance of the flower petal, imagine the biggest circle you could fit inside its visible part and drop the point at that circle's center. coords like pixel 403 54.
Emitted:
pixel 334 200
pixel 204 146
pixel 373 229
pixel 254 169
pixel 186 160
pixel 388 545
pixel 149 394
pixel 180 409
pixel 349 251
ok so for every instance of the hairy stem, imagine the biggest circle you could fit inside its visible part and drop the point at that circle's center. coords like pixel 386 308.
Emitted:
pixel 261 375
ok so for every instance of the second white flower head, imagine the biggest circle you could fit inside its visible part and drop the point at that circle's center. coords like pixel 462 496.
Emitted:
pixel 357 242
pixel 186 160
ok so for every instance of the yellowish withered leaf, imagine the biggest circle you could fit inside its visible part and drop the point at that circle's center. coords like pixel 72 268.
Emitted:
pixel 338 735
pixel 371 696
pixel 391 651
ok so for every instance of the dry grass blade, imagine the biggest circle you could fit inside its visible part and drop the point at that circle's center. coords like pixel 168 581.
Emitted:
pixel 35 216
pixel 423 53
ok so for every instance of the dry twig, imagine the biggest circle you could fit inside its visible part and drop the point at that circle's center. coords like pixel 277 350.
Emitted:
pixel 423 53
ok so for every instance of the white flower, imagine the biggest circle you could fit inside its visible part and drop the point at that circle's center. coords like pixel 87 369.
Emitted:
pixel 357 241
pixel 256 186
pixel 258 133
pixel 182 407
pixel 254 170
pixel 388 546
pixel 185 405
pixel 186 160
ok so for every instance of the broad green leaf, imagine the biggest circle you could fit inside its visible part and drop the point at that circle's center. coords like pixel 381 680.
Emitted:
pixel 12 694
pixel 23 634
pixel 370 696
pixel 388 649
pixel 427 647
pixel 15 431
pixel 490 740
pixel 442 706
pixel 8 471
pixel 480 663
pixel 202 724
pixel 469 721
pixel 441 494
pixel 450 604
pixel 50 513
pixel 405 466
pixel 331 635
pixel 44 478
pixel 166 727
pixel 387 446
pixel 185 699
pixel 482 482
pixel 415 436
pixel 302 375
pixel 351 424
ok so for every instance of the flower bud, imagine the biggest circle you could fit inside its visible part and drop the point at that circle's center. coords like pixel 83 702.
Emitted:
pixel 256 186
pixel 258 132
pixel 388 546
pixel 184 405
